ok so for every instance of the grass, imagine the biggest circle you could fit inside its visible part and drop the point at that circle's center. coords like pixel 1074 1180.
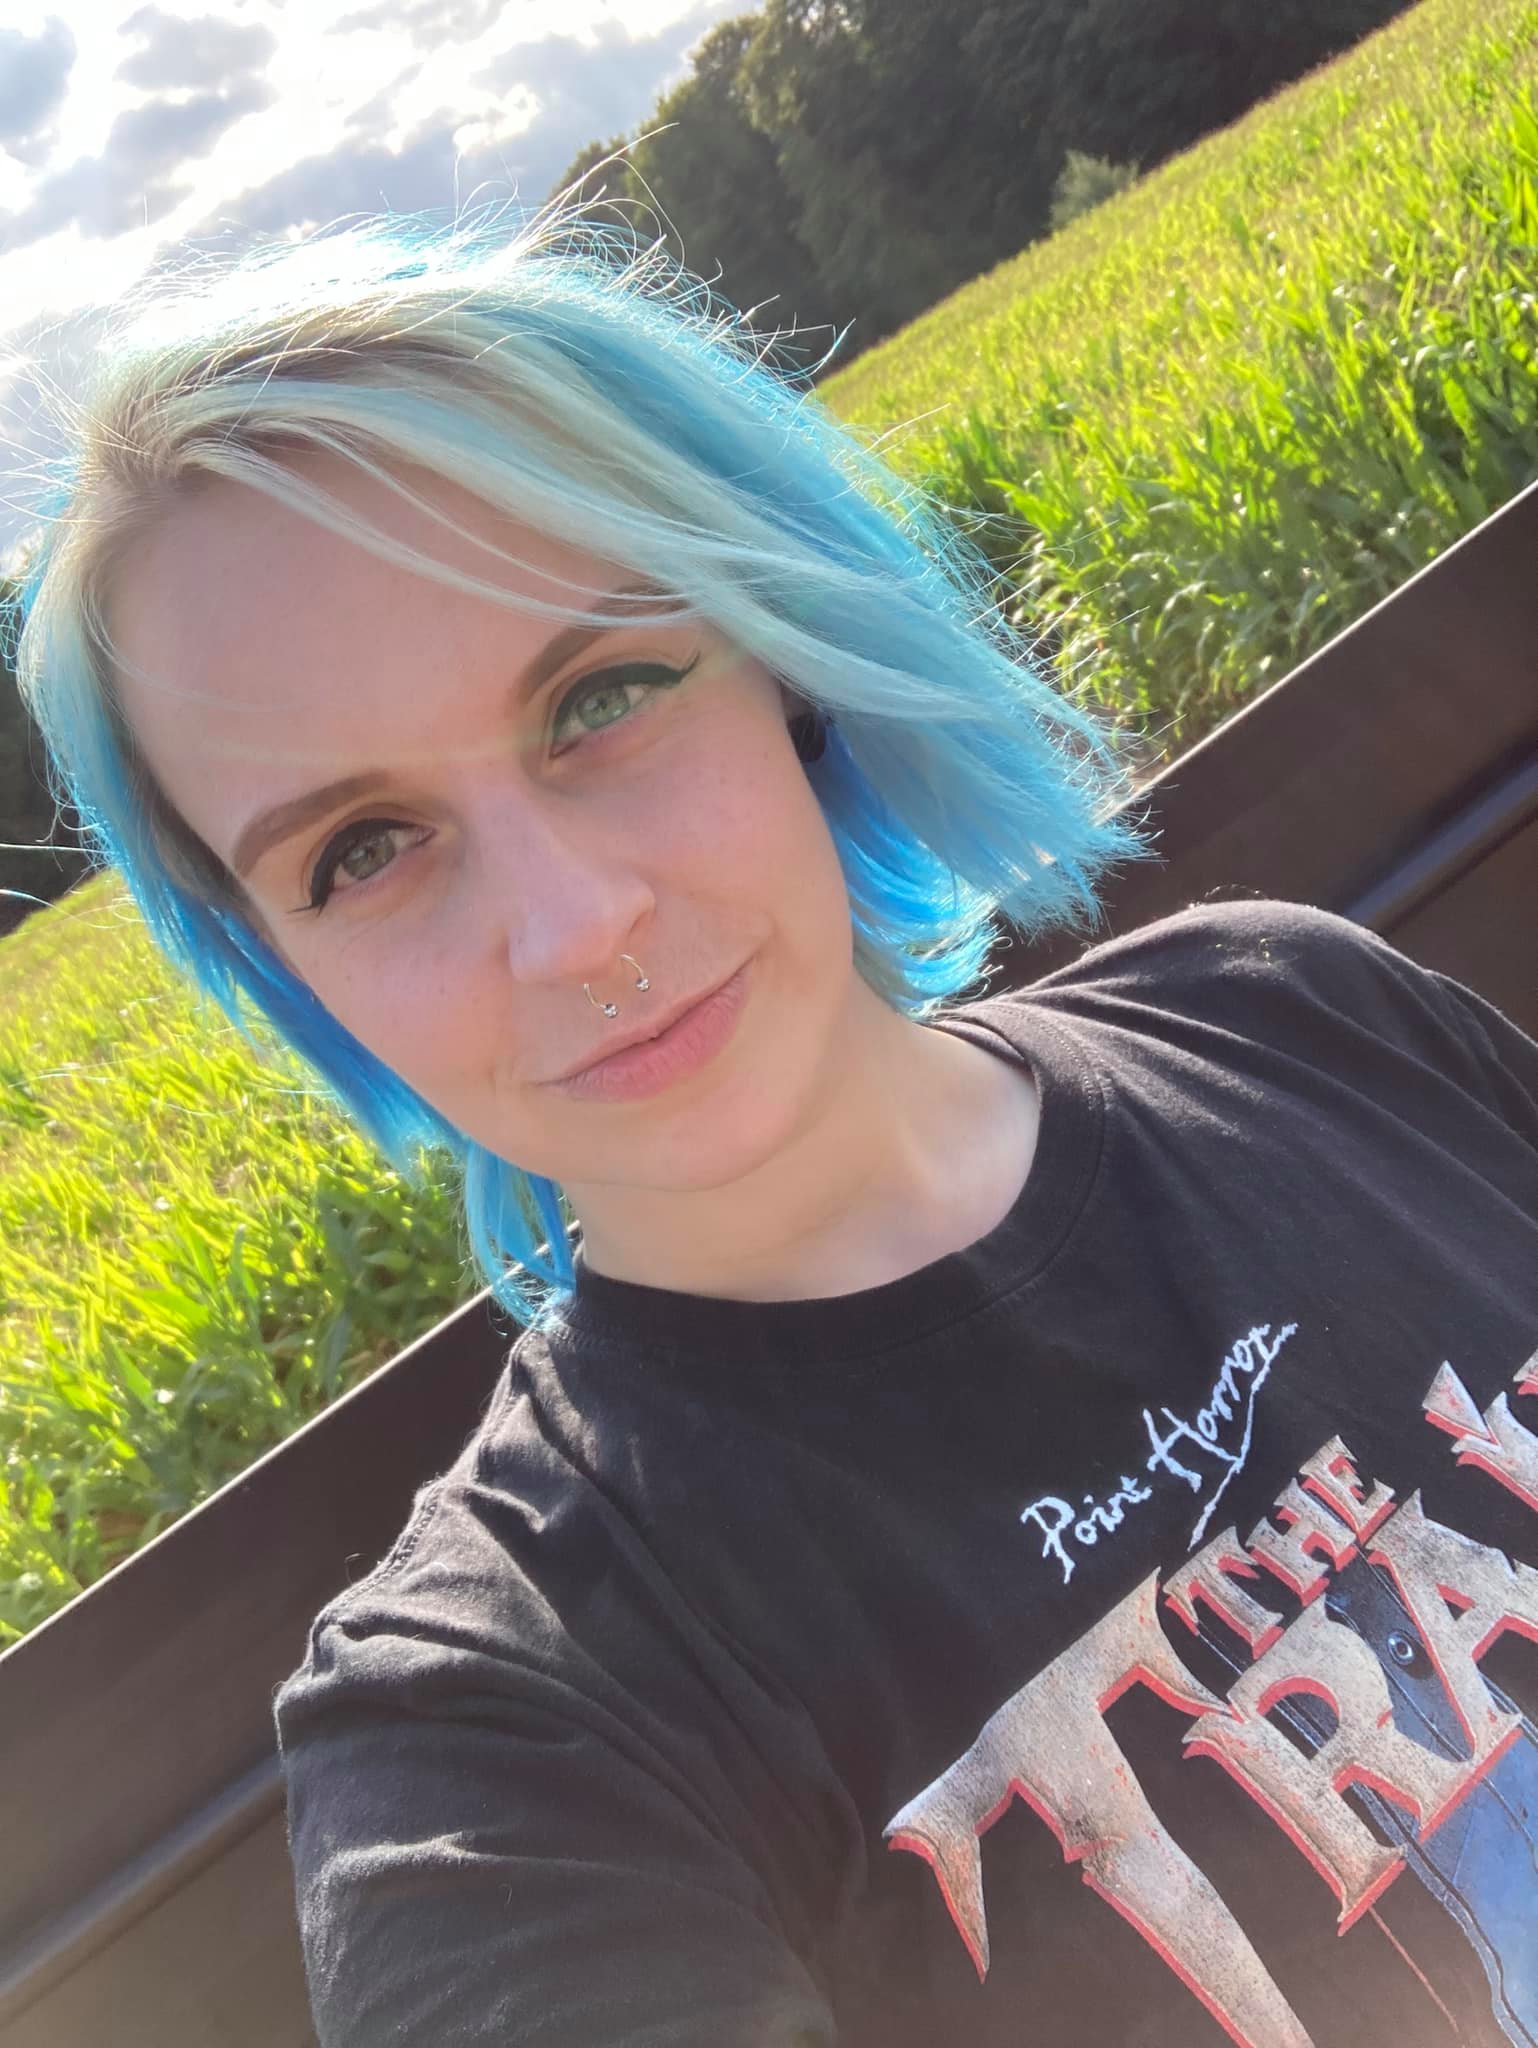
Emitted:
pixel 1214 421
pixel 1199 432
pixel 199 1253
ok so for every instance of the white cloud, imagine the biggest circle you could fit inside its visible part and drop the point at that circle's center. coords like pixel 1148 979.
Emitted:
pixel 202 50
pixel 537 102
pixel 141 174
pixel 34 76
pixel 127 128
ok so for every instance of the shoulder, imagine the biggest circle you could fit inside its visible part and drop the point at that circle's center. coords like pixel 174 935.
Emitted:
pixel 1261 985
pixel 1235 936
pixel 1241 960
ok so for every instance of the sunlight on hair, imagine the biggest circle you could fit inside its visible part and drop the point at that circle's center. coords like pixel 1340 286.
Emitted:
pixel 589 386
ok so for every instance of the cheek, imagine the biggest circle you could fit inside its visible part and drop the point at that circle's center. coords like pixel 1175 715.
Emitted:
pixel 413 1008
pixel 792 860
pixel 740 816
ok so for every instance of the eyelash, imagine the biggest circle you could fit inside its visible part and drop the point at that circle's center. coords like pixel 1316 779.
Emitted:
pixel 337 848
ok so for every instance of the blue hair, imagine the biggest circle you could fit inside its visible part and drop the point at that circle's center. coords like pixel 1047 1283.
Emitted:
pixel 600 394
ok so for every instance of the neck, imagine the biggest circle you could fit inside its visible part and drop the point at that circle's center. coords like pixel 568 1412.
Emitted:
pixel 909 1144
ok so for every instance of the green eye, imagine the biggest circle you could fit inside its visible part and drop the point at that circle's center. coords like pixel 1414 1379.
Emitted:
pixel 359 852
pixel 606 698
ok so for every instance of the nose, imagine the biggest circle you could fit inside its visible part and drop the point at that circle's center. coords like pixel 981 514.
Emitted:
pixel 564 894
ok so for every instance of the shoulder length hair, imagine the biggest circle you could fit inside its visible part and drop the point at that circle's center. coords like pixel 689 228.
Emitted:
pixel 600 393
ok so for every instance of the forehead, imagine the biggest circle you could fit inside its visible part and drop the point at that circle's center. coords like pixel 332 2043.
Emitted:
pixel 232 598
pixel 252 637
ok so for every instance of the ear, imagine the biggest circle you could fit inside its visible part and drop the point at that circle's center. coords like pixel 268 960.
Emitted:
pixel 792 703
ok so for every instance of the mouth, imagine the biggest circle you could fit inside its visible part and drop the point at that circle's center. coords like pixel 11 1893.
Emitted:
pixel 654 1056
pixel 643 1034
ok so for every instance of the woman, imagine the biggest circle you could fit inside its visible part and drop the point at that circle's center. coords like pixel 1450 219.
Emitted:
pixel 958 1427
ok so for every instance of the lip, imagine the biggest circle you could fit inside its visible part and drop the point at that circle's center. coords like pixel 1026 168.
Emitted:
pixel 684 1045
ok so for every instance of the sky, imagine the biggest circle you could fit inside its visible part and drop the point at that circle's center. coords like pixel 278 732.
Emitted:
pixel 127 130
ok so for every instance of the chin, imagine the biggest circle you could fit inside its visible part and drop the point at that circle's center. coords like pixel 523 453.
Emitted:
pixel 712 1143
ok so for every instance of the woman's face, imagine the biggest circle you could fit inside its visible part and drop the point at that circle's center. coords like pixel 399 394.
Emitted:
pixel 446 823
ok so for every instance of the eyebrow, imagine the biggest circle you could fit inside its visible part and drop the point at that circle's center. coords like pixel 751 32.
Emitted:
pixel 271 827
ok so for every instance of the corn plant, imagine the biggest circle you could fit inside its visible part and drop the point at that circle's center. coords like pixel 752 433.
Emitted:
pixel 197 1253
pixel 1206 427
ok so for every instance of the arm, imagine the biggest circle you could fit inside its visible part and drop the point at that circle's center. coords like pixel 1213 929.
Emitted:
pixel 474 1867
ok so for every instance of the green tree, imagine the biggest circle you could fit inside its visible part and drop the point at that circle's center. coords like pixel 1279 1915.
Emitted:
pixel 616 181
pixel 817 85
pixel 39 854
pixel 719 181
pixel 865 157
pixel 1144 79
pixel 1084 183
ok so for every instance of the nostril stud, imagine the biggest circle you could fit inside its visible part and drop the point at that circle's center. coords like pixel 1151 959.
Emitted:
pixel 612 1009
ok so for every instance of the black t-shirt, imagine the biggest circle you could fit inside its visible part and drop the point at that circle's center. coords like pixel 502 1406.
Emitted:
pixel 1124 1630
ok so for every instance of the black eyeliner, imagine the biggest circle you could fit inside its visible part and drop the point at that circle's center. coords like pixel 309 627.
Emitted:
pixel 674 676
pixel 337 847
pixel 341 843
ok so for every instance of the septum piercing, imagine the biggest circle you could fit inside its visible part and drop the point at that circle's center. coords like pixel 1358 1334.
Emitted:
pixel 612 1009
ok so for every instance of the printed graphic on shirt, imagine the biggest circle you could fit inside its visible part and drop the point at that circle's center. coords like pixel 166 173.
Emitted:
pixel 1378 1677
pixel 1205 1451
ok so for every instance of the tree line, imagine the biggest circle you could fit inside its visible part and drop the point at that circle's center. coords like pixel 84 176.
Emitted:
pixel 39 856
pixel 838 160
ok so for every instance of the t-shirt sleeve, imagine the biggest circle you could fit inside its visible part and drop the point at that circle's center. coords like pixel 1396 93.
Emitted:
pixel 1504 1054
pixel 1454 1028
pixel 477 1862
pixel 1328 992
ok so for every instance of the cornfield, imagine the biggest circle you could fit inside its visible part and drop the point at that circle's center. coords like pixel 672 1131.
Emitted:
pixel 1210 424
pixel 198 1252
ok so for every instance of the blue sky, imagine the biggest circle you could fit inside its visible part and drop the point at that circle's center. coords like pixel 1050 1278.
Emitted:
pixel 126 129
